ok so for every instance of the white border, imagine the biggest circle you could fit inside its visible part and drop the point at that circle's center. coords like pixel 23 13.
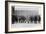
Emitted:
pixel 9 16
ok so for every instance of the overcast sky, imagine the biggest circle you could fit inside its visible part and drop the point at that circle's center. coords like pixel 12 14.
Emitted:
pixel 26 10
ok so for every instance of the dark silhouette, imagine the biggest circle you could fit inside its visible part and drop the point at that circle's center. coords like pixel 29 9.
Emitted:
pixel 22 19
pixel 38 18
pixel 35 19
pixel 13 10
pixel 14 19
pixel 31 18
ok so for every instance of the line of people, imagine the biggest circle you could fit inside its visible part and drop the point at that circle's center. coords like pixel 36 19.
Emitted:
pixel 22 19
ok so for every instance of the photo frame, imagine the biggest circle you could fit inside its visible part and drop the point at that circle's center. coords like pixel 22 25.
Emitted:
pixel 21 16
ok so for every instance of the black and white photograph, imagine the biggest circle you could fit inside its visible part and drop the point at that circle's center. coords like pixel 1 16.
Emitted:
pixel 24 16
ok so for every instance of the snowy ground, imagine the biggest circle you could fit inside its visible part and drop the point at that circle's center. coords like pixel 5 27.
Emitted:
pixel 25 25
